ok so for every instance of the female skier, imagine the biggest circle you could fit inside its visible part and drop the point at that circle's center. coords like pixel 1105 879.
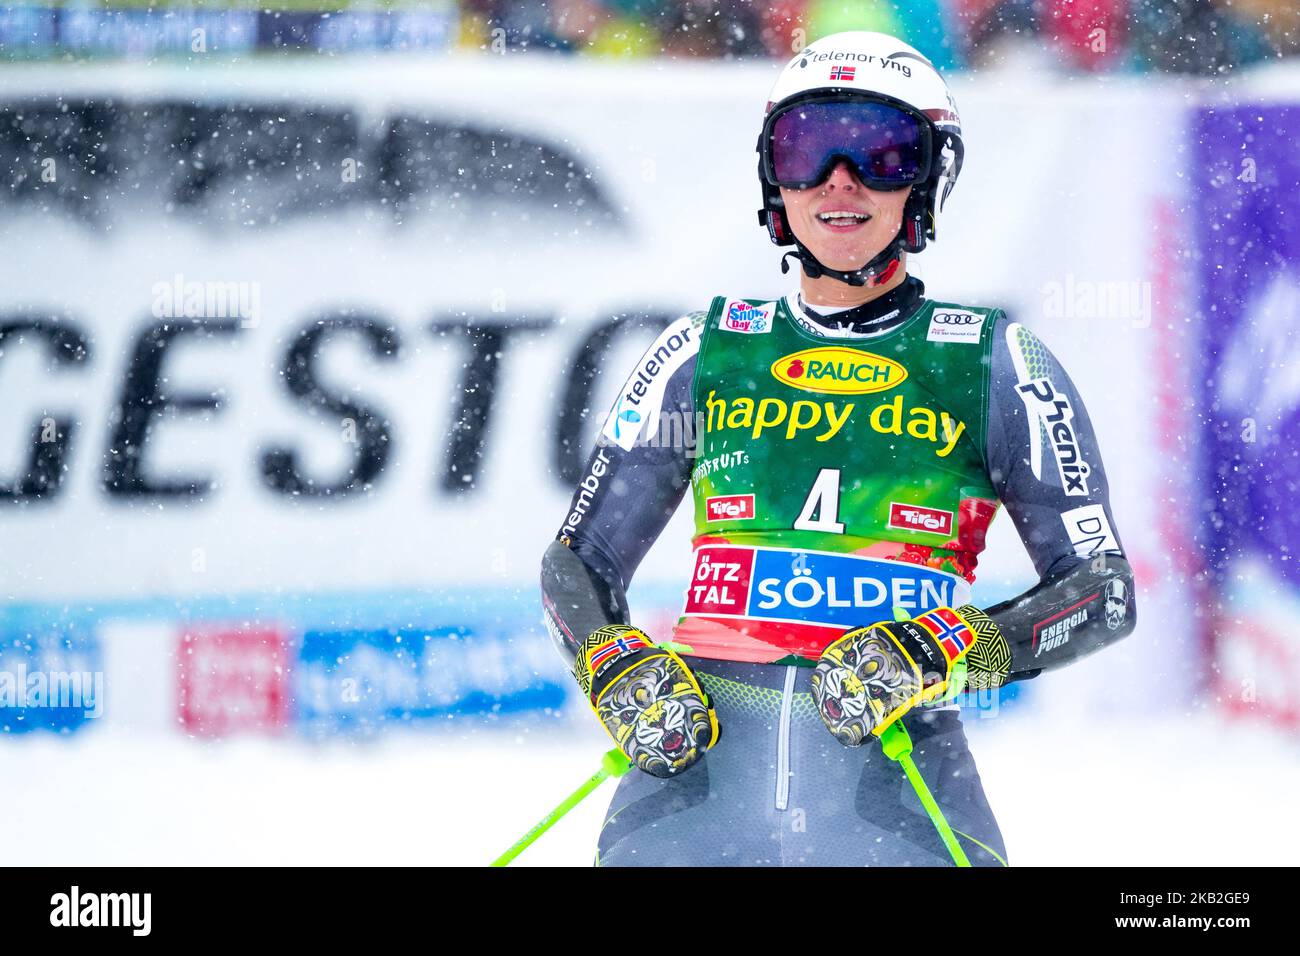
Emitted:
pixel 855 438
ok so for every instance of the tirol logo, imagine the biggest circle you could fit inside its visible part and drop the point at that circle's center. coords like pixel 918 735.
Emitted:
pixel 917 518
pixel 747 319
pixel 838 370
pixel 729 508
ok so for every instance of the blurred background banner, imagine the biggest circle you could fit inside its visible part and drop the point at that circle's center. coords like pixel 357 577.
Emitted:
pixel 1249 310
pixel 301 353
pixel 318 350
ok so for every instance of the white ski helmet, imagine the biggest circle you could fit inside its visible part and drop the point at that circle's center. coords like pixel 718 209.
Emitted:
pixel 858 66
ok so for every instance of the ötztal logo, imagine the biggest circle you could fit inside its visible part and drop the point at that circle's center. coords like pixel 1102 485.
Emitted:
pixel 838 370
pixel 729 507
pixel 917 518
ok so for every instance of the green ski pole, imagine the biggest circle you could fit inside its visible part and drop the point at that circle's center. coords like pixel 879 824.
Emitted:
pixel 898 747
pixel 613 764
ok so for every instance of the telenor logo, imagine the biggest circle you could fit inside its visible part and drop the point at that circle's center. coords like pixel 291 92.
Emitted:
pixel 838 370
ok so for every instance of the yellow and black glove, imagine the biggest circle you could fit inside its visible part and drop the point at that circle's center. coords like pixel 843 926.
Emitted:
pixel 647 698
pixel 872 676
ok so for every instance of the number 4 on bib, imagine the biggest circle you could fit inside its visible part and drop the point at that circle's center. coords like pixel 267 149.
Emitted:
pixel 823 501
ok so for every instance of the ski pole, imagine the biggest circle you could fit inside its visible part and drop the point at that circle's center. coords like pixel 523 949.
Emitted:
pixel 613 764
pixel 898 747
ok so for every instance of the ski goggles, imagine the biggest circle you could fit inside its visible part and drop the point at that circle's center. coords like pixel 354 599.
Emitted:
pixel 887 146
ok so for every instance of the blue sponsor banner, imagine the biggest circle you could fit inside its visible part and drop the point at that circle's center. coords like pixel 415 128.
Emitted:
pixel 26 29
pixel 50 679
pixel 355 659
pixel 362 680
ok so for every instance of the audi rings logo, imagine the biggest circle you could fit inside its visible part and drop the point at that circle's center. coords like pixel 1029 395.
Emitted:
pixel 957 318
pixel 956 325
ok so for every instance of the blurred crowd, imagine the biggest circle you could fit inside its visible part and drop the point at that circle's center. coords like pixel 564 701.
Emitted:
pixel 1203 37
pixel 1182 36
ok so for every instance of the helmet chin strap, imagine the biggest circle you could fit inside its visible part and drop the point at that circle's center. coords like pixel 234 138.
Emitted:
pixel 879 270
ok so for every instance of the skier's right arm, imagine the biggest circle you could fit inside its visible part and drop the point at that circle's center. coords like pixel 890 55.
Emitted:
pixel 645 695
pixel 632 484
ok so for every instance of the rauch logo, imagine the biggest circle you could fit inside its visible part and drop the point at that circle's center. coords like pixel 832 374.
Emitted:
pixel 838 370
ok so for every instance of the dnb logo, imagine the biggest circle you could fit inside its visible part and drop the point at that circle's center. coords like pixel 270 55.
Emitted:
pixel 838 370
pixel 813 587
pixel 747 319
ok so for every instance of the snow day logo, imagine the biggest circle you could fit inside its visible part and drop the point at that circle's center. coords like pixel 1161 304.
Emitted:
pixel 747 319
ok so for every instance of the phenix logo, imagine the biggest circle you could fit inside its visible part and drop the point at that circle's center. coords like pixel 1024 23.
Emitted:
pixel 74 909
pixel 1049 412
pixel 1044 404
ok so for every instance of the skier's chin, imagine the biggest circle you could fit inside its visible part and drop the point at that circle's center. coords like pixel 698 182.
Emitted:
pixel 846 265
pixel 843 256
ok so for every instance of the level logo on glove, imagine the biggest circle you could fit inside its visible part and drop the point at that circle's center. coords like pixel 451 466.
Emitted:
pixel 872 676
pixel 647 699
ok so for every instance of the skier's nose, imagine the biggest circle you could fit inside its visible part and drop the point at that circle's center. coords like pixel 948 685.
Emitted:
pixel 842 177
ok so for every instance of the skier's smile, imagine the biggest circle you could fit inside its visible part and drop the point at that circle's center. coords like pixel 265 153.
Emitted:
pixel 843 219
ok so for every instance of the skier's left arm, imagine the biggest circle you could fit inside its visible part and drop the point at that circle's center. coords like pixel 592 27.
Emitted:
pixel 1045 465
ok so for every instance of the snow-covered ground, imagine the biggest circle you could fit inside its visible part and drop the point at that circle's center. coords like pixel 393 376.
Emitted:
pixel 1175 790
